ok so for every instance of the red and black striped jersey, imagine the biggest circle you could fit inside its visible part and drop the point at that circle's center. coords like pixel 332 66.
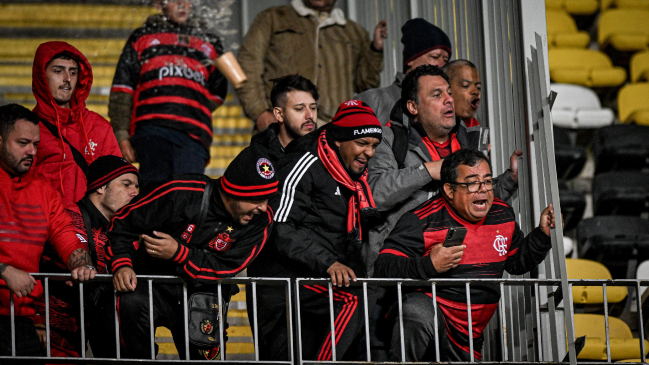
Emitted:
pixel 493 245
pixel 169 70
pixel 215 249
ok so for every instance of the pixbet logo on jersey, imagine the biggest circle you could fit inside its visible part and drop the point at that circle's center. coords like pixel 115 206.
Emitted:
pixel 172 70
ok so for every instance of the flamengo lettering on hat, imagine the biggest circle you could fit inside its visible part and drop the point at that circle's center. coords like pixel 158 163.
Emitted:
pixel 368 130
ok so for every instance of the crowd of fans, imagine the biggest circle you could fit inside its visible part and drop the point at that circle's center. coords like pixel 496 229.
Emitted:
pixel 331 186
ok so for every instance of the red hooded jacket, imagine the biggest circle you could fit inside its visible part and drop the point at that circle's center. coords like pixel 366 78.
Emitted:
pixel 87 131
pixel 31 214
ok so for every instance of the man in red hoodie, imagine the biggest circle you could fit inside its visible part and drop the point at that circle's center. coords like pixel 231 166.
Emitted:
pixel 71 135
pixel 31 214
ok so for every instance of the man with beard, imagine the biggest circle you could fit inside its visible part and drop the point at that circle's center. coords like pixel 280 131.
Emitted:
pixel 31 215
pixel 294 99
pixel 321 223
pixel 112 183
pixel 72 137
pixel 201 229
pixel 464 79
pixel 493 244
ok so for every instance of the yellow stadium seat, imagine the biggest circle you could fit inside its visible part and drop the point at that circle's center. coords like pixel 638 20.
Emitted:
pixel 632 103
pixel 584 67
pixel 622 344
pixel 587 269
pixel 635 4
pixel 624 29
pixel 562 31
pixel 576 7
pixel 640 67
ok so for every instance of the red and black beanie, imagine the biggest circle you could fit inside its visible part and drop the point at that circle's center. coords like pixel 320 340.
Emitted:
pixel 250 176
pixel 106 169
pixel 354 119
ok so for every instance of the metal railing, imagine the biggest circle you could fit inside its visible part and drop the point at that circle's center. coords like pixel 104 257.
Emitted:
pixel 504 342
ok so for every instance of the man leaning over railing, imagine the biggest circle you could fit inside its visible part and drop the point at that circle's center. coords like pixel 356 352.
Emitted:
pixel 493 243
pixel 31 214
pixel 201 229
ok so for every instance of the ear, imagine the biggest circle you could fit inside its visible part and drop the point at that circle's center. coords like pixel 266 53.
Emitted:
pixel 412 107
pixel 448 190
pixel 279 114
pixel 337 144
pixel 101 190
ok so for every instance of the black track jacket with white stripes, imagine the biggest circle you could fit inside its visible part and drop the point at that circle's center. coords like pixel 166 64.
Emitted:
pixel 493 245
pixel 216 249
pixel 311 215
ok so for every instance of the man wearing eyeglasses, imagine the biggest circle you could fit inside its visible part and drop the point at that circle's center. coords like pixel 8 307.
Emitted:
pixel 493 244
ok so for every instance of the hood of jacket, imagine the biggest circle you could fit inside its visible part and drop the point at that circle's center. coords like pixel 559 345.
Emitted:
pixel 46 106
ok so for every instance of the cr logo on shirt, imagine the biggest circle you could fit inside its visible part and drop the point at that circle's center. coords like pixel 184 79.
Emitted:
pixel 500 244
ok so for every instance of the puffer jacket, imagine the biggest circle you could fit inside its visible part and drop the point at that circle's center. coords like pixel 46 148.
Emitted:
pixel 87 131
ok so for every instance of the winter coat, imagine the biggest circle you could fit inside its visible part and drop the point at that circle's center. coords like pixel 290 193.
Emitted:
pixel 382 100
pixel 335 54
pixel 87 131
pixel 31 214
pixel 269 141
pixel 166 77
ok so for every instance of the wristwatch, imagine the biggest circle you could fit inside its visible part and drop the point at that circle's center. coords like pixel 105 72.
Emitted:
pixel 91 267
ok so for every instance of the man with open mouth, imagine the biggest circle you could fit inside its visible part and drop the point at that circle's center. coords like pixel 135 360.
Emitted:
pixel 465 83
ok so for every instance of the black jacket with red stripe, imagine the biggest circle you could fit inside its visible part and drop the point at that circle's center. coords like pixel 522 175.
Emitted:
pixel 493 245
pixel 169 71
pixel 218 248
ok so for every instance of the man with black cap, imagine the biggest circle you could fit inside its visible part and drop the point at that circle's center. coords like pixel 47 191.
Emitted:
pixel 321 223
pixel 423 44
pixel 201 229
pixel 112 183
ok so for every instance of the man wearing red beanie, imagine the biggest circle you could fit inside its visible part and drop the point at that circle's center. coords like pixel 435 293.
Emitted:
pixel 201 229
pixel 322 217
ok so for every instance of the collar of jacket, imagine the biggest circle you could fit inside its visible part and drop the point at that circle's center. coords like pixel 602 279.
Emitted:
pixel 335 17
pixel 398 79
pixel 97 219
pixel 19 182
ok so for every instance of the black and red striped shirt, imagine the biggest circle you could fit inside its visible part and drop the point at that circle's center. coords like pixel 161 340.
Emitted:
pixel 169 70
pixel 218 248
pixel 493 245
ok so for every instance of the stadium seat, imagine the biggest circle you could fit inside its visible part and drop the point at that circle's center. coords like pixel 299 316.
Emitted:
pixel 103 50
pixel 573 205
pixel 576 7
pixel 620 193
pixel 635 4
pixel 621 147
pixel 570 159
pixel 622 344
pixel 643 274
pixel 640 66
pixel 563 32
pixel 614 241
pixel 584 67
pixel 632 103
pixel 578 107
pixel 624 29
pixel 588 270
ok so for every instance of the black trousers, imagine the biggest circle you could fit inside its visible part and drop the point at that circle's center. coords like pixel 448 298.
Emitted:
pixel 133 310
pixel 100 328
pixel 27 342
pixel 419 332
pixel 272 321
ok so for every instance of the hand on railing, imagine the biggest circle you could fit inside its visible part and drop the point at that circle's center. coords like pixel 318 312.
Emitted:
pixel 19 282
pixel 340 273
pixel 125 280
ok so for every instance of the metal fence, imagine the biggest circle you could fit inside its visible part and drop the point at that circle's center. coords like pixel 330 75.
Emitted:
pixel 503 342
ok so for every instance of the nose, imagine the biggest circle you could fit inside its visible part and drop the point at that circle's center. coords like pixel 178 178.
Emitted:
pixel 263 206
pixel 309 113
pixel 369 151
pixel 133 192
pixel 67 77
pixel 31 150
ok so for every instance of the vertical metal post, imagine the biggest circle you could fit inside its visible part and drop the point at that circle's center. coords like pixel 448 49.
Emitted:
pixel 539 329
pixel 469 320
pixel 47 316
pixel 82 319
pixel 331 318
pixel 403 345
pixel 435 319
pixel 186 319
pixel 221 325
pixel 13 324
pixel 367 322
pixel 503 322
pixel 117 343
pixel 299 322
pixel 289 310
pixel 255 320
pixel 151 326
pixel 638 303
pixel 608 336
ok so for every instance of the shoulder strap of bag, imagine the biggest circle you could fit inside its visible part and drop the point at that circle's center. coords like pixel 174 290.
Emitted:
pixel 91 238
pixel 205 202
pixel 78 157
pixel 399 145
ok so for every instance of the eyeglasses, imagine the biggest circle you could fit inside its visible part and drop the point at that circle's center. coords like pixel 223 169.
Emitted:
pixel 474 186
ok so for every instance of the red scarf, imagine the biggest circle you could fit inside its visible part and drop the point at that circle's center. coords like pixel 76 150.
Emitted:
pixel 455 146
pixel 358 202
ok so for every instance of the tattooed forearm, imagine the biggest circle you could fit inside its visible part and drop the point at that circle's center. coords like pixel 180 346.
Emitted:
pixel 79 257
pixel 3 267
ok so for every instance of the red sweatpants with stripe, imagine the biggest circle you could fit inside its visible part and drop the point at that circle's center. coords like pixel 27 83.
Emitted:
pixel 316 323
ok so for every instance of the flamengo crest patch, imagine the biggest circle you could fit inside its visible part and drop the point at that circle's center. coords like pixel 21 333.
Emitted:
pixel 265 168
pixel 221 242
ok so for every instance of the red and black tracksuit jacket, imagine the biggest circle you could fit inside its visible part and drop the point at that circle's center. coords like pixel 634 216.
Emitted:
pixel 218 248
pixel 169 70
pixel 493 245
